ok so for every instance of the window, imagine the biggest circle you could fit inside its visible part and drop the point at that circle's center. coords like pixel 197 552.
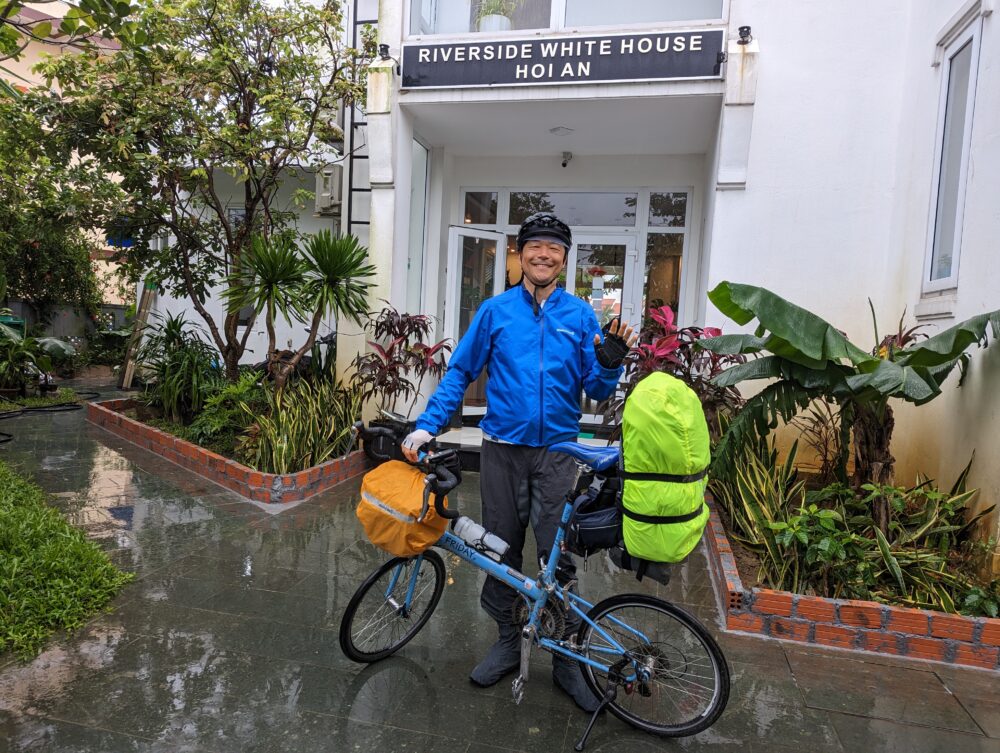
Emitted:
pixel 493 16
pixel 958 94
pixel 576 208
pixel 418 210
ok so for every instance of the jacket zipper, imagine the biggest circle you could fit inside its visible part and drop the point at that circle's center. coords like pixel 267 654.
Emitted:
pixel 541 375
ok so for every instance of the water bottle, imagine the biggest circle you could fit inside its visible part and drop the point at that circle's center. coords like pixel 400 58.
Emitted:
pixel 479 538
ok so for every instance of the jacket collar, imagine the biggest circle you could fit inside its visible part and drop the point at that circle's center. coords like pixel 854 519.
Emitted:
pixel 553 296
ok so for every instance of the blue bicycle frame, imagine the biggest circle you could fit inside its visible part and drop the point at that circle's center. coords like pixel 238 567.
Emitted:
pixel 537 592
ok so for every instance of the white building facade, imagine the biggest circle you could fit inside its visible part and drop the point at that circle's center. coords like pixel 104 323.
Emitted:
pixel 830 152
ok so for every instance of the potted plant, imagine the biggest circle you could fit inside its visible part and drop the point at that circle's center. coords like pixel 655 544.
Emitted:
pixel 496 15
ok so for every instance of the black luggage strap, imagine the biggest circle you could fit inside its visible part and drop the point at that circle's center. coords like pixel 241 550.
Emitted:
pixel 589 495
pixel 661 519
pixel 667 477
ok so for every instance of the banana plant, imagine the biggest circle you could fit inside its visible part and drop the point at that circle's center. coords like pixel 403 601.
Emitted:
pixel 808 358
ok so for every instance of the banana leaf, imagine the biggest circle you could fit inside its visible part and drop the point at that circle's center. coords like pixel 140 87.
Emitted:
pixel 10 334
pixel 795 333
pixel 948 345
pixel 55 347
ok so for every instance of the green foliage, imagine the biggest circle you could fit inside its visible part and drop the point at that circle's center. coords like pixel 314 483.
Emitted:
pixel 20 360
pixel 182 368
pixel 51 577
pixel 330 277
pixel 306 424
pixel 241 90
pixel 61 396
pixel 809 359
pixel 826 542
pixel 47 201
pixel 80 25
pixel 224 417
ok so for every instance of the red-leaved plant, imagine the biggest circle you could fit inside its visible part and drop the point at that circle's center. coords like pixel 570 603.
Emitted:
pixel 665 347
pixel 396 366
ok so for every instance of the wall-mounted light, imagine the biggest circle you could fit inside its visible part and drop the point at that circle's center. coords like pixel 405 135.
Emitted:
pixel 566 157
pixel 745 36
pixel 383 52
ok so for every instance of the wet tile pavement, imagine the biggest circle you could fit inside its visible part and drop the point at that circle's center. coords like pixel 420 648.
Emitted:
pixel 227 641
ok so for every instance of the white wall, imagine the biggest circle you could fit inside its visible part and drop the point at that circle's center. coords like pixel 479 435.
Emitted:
pixel 811 224
pixel 939 438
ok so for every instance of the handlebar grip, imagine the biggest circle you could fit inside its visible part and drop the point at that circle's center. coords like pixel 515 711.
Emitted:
pixel 445 481
pixel 368 434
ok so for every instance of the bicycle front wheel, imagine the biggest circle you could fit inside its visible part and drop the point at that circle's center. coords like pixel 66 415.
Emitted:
pixel 391 607
pixel 672 679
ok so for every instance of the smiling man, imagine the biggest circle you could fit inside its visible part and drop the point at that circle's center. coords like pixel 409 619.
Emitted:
pixel 541 348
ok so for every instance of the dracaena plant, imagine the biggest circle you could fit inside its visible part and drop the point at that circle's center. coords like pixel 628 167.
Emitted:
pixel 665 347
pixel 399 359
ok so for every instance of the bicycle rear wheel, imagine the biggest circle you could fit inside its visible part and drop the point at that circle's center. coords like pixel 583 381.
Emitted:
pixel 678 680
pixel 378 620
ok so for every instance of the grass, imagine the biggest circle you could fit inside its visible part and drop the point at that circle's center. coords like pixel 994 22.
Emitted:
pixel 63 395
pixel 51 577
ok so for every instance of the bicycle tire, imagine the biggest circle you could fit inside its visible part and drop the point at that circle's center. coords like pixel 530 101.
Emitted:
pixel 679 653
pixel 362 643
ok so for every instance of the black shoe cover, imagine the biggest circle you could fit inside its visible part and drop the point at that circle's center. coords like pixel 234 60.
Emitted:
pixel 503 658
pixel 568 678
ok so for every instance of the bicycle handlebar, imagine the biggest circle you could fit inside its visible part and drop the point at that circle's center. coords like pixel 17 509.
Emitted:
pixel 439 480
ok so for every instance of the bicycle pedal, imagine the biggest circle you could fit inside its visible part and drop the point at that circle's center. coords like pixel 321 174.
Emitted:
pixel 517 689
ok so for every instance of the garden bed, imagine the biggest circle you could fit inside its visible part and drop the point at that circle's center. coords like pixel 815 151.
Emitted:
pixel 849 624
pixel 271 488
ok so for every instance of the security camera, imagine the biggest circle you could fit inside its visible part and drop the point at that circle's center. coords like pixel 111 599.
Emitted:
pixel 566 157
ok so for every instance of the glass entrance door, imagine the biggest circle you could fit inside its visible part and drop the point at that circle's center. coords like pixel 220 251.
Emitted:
pixel 475 273
pixel 602 272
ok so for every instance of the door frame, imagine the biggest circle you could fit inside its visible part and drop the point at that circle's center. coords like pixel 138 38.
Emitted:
pixel 632 285
pixel 452 293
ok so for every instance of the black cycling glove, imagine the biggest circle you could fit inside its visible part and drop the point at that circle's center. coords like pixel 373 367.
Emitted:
pixel 611 352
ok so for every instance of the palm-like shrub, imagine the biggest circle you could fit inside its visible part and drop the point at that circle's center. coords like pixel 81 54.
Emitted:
pixel 329 276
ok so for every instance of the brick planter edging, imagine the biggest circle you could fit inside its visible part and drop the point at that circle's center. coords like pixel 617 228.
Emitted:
pixel 848 624
pixel 261 487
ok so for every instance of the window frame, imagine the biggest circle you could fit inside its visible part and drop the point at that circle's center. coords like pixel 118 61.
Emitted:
pixel 968 31
pixel 557 25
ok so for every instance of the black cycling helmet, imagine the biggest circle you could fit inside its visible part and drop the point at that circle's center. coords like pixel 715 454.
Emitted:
pixel 544 225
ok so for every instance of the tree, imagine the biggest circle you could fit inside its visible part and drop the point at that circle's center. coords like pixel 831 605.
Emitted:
pixel 82 26
pixel 47 199
pixel 809 358
pixel 246 88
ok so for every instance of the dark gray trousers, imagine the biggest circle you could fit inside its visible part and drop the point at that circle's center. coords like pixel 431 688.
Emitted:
pixel 522 485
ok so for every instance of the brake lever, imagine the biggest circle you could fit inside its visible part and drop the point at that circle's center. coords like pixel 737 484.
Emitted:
pixel 429 479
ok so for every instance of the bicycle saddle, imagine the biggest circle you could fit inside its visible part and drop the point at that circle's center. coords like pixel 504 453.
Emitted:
pixel 598 458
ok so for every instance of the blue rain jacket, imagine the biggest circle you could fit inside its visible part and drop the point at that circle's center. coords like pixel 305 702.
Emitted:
pixel 537 366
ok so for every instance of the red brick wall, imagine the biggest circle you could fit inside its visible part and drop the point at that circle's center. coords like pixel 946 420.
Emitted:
pixel 847 624
pixel 262 487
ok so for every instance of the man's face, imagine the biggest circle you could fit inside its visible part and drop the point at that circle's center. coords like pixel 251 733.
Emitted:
pixel 542 260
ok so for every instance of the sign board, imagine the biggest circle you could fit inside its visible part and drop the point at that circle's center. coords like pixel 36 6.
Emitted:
pixel 655 56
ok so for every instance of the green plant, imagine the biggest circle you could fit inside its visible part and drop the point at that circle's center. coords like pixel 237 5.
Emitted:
pixel 665 347
pixel 182 368
pixel 809 358
pixel 304 425
pixel 51 576
pixel 224 417
pixel 395 368
pixel 19 359
pixel 827 542
pixel 497 8
pixel 330 277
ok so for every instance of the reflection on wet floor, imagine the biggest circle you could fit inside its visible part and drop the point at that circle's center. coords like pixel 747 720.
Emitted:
pixel 227 641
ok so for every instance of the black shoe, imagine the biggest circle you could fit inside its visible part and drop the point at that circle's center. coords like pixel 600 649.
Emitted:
pixel 568 678
pixel 503 658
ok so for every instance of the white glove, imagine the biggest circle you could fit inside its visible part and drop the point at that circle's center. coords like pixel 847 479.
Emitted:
pixel 414 441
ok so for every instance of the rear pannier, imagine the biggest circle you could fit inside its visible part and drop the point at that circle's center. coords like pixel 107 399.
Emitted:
pixel 665 453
